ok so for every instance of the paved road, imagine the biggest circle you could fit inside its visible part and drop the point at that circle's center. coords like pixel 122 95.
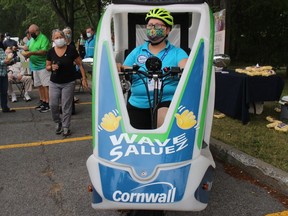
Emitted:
pixel 43 174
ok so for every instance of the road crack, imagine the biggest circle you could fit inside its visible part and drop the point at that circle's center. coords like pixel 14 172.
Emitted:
pixel 56 188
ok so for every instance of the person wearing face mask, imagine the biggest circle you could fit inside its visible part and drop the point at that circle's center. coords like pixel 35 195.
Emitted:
pixel 159 24
pixel 37 50
pixel 90 43
pixel 68 34
pixel 60 62
pixel 81 44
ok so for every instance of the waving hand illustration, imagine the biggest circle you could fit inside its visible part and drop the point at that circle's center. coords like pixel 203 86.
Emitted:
pixel 110 122
pixel 185 120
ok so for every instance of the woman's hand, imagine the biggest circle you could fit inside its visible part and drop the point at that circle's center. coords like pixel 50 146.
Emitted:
pixel 119 67
pixel 85 83
pixel 26 54
pixel 19 77
pixel 54 67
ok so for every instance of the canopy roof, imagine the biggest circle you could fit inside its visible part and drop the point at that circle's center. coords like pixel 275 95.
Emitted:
pixel 157 2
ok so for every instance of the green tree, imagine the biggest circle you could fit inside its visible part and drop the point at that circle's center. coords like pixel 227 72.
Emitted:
pixel 256 31
pixel 79 13
pixel 261 32
pixel 50 14
pixel 11 18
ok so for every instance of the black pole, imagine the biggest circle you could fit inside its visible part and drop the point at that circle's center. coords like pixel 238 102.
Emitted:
pixel 155 102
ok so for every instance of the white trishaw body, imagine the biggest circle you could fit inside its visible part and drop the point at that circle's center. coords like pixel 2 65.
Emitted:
pixel 171 167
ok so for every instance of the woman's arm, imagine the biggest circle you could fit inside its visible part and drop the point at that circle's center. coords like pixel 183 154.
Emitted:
pixel 78 61
pixel 48 65
pixel 182 63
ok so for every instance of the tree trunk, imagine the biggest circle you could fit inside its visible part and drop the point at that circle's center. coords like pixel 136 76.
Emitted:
pixel 87 11
pixel 99 9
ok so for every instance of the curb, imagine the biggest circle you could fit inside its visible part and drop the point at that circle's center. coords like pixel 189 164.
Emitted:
pixel 262 171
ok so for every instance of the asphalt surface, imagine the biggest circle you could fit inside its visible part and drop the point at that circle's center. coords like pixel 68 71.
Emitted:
pixel 48 179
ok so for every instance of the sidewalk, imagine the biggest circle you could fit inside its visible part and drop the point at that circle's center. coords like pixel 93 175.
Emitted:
pixel 265 173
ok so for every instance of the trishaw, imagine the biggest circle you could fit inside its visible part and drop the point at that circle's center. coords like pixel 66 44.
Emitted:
pixel 165 168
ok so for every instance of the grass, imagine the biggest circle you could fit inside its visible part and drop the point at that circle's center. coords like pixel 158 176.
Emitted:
pixel 255 138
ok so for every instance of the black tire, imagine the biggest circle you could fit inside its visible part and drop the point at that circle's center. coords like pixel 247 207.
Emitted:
pixel 146 213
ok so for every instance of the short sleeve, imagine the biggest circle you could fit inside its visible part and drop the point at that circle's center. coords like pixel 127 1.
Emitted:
pixel 45 45
pixel 130 59
pixel 181 54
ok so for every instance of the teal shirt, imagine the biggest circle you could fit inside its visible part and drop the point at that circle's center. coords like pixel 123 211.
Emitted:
pixel 89 47
pixel 38 62
pixel 170 57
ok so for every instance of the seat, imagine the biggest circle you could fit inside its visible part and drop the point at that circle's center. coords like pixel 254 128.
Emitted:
pixel 20 85
pixel 19 67
pixel 78 77
pixel 80 86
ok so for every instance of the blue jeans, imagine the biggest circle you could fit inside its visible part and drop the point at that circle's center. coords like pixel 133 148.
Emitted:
pixel 3 92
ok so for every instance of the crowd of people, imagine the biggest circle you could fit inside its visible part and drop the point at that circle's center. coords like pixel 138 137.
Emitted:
pixel 51 66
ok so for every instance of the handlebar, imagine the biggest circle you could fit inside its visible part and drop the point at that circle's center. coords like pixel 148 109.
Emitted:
pixel 168 71
pixel 154 73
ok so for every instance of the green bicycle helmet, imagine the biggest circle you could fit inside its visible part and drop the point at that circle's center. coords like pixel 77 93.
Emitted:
pixel 162 14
